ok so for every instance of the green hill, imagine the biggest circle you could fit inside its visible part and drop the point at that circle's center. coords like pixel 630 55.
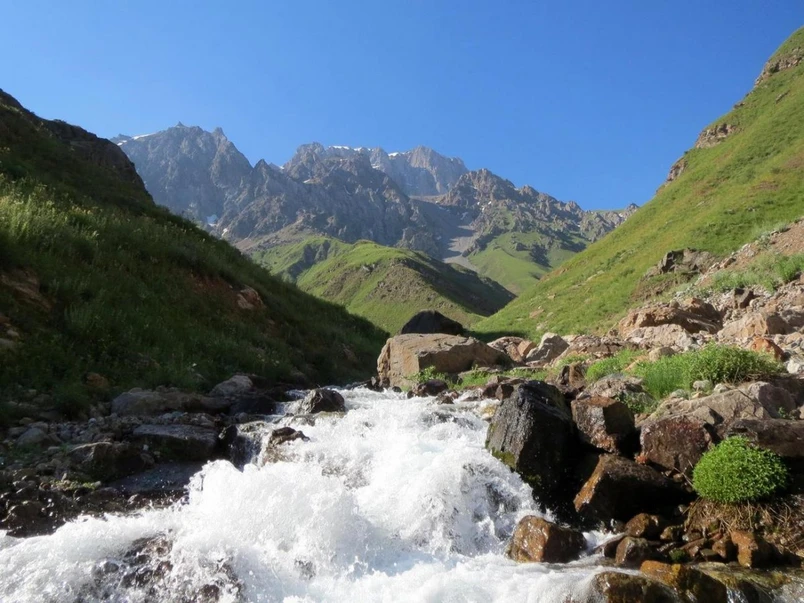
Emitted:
pixel 744 176
pixel 383 284
pixel 95 278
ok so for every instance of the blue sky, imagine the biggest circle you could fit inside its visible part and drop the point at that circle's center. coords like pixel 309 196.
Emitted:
pixel 590 101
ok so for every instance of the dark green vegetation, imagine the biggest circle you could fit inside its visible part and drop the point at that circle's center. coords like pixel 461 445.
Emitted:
pixel 734 471
pixel 383 284
pixel 95 278
pixel 726 192
pixel 715 363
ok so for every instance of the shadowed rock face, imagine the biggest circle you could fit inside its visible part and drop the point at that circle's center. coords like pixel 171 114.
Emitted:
pixel 431 321
pixel 532 432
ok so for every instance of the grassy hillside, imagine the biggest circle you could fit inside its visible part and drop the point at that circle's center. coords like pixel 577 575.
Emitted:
pixel 726 195
pixel 383 284
pixel 95 278
pixel 510 260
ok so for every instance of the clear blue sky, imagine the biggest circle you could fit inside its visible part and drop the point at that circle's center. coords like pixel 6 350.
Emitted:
pixel 590 101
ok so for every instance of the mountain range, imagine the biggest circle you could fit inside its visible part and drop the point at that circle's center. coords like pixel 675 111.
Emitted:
pixel 418 200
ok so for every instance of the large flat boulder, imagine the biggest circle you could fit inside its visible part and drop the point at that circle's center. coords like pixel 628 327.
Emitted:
pixel 620 488
pixel 178 442
pixel 782 436
pixel 146 402
pixel 405 355
pixel 532 432
pixel 109 460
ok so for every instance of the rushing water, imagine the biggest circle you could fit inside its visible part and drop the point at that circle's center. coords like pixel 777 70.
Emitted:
pixel 396 501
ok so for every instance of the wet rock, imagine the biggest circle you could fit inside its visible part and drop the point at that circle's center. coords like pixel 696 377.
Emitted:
pixel 178 442
pixel 550 347
pixel 532 432
pixel 431 387
pixel 752 549
pixel 321 400
pixel 631 552
pixel 536 539
pixel 604 423
pixel 286 434
pixel 620 488
pixel 431 321
pixel 243 442
pixel 645 525
pixel 675 442
pixel 23 517
pixel 619 587
pixel 109 460
pixel 406 355
pixel 693 583
pixel 164 480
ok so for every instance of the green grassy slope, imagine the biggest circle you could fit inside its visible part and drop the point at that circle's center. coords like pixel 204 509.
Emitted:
pixel 385 285
pixel 726 195
pixel 95 277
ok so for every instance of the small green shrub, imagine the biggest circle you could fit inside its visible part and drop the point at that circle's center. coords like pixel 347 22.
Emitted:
pixel 735 471
pixel 608 366
pixel 428 374
pixel 725 364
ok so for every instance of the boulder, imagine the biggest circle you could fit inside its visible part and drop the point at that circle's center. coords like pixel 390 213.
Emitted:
pixel 717 410
pixel 675 442
pixel 510 347
pixel 429 322
pixel 550 347
pixel 687 579
pixel 645 525
pixel 692 315
pixel 619 587
pixel 782 436
pixel 592 345
pixel 752 550
pixel 321 400
pixel 778 401
pixel 33 436
pixel 156 402
pixel 572 377
pixel 249 299
pixel 763 345
pixel 663 336
pixel 536 539
pixel 109 460
pixel 631 552
pixel 237 384
pixel 178 442
pixel 752 325
pixel 684 261
pixel 604 423
pixel 532 432
pixel 620 488
pixel 406 355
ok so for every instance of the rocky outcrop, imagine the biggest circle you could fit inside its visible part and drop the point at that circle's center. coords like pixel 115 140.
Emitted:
pixel 431 321
pixel 693 315
pixel 688 261
pixel 537 540
pixel 780 62
pixel 713 136
pixel 406 355
pixel 532 432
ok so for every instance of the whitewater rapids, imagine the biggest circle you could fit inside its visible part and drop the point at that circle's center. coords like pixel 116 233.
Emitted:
pixel 396 501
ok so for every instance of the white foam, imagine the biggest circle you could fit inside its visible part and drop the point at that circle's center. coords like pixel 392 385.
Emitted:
pixel 398 500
